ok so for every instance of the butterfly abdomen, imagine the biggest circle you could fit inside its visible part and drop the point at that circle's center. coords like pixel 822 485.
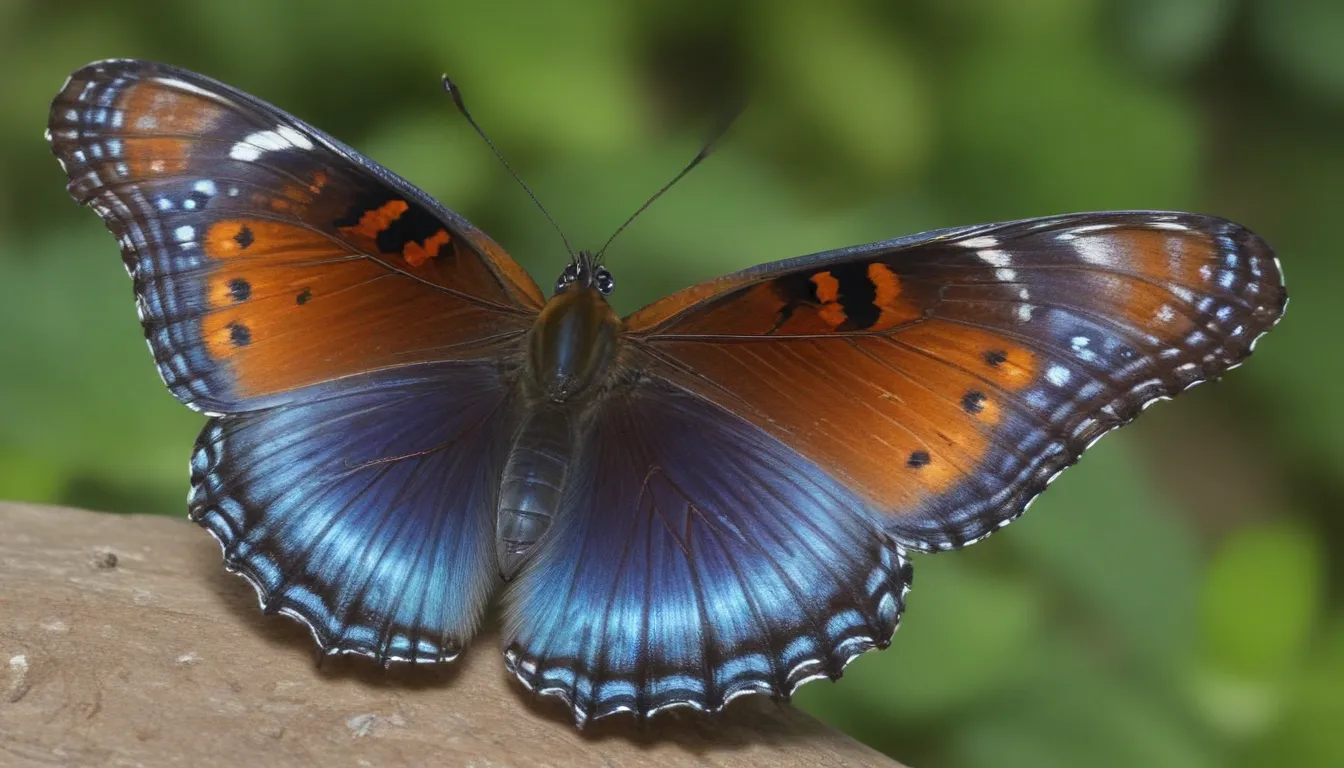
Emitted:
pixel 532 484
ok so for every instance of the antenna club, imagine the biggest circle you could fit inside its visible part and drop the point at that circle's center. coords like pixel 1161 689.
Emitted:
pixel 456 93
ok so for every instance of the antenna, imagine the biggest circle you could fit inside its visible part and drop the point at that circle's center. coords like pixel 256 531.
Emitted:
pixel 456 93
pixel 704 152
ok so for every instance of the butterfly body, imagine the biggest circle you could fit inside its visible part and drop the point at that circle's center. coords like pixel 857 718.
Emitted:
pixel 572 351
pixel 714 496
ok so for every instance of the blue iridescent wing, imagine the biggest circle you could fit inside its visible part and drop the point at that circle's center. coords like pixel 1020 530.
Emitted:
pixel 364 510
pixel 697 559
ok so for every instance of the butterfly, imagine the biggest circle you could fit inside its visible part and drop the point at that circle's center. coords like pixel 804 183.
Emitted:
pixel 717 495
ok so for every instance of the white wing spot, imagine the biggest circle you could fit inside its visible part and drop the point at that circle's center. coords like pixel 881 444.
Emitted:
pixel 1058 375
pixel 1165 313
pixel 283 137
pixel 995 258
pixel 294 137
pixel 244 152
pixel 205 187
pixel 1094 250
pixel 184 233
pixel 182 85
pixel 984 241
pixel 1079 345
pixel 1024 312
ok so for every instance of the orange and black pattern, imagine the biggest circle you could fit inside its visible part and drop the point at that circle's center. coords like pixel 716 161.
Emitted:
pixel 266 257
pixel 948 377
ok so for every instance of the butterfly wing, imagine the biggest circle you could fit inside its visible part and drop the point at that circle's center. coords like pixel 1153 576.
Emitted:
pixel 946 378
pixel 698 559
pixel 266 255
pixel 366 513
pixel 358 338
pixel 739 517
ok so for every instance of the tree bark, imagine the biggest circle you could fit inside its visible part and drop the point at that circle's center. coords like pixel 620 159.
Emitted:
pixel 124 642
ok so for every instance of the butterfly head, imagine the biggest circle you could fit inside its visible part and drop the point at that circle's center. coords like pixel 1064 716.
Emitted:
pixel 585 271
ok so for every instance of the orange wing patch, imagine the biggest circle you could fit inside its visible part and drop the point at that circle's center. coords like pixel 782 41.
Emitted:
pixel 156 119
pixel 288 307
pixel 896 422
pixel 416 254
pixel 260 237
pixel 374 222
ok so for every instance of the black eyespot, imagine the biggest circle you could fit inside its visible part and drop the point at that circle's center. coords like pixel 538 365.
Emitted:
pixel 239 334
pixel 973 402
pixel 917 459
pixel 239 289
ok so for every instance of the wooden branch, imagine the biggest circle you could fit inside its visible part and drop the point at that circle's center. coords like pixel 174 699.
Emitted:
pixel 123 642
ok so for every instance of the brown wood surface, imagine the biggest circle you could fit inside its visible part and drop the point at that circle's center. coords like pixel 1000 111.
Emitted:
pixel 123 642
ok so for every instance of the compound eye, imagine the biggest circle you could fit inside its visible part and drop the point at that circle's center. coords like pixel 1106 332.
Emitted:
pixel 604 281
pixel 569 275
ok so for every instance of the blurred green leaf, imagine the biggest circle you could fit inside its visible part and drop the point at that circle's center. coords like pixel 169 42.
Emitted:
pixel 1309 732
pixel 860 88
pixel 1042 122
pixel 27 477
pixel 1260 599
pixel 1078 714
pixel 961 640
pixel 1303 38
pixel 1172 35
pixel 81 389
pixel 1119 550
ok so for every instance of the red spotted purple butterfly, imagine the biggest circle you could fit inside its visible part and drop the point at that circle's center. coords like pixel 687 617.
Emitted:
pixel 713 496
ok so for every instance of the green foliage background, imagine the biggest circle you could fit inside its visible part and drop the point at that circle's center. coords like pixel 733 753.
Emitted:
pixel 1175 600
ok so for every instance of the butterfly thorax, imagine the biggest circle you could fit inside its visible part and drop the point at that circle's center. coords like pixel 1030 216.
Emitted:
pixel 571 348
pixel 572 343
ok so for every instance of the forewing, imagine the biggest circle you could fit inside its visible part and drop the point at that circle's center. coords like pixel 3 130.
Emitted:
pixel 698 559
pixel 266 255
pixel 947 378
pixel 365 510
